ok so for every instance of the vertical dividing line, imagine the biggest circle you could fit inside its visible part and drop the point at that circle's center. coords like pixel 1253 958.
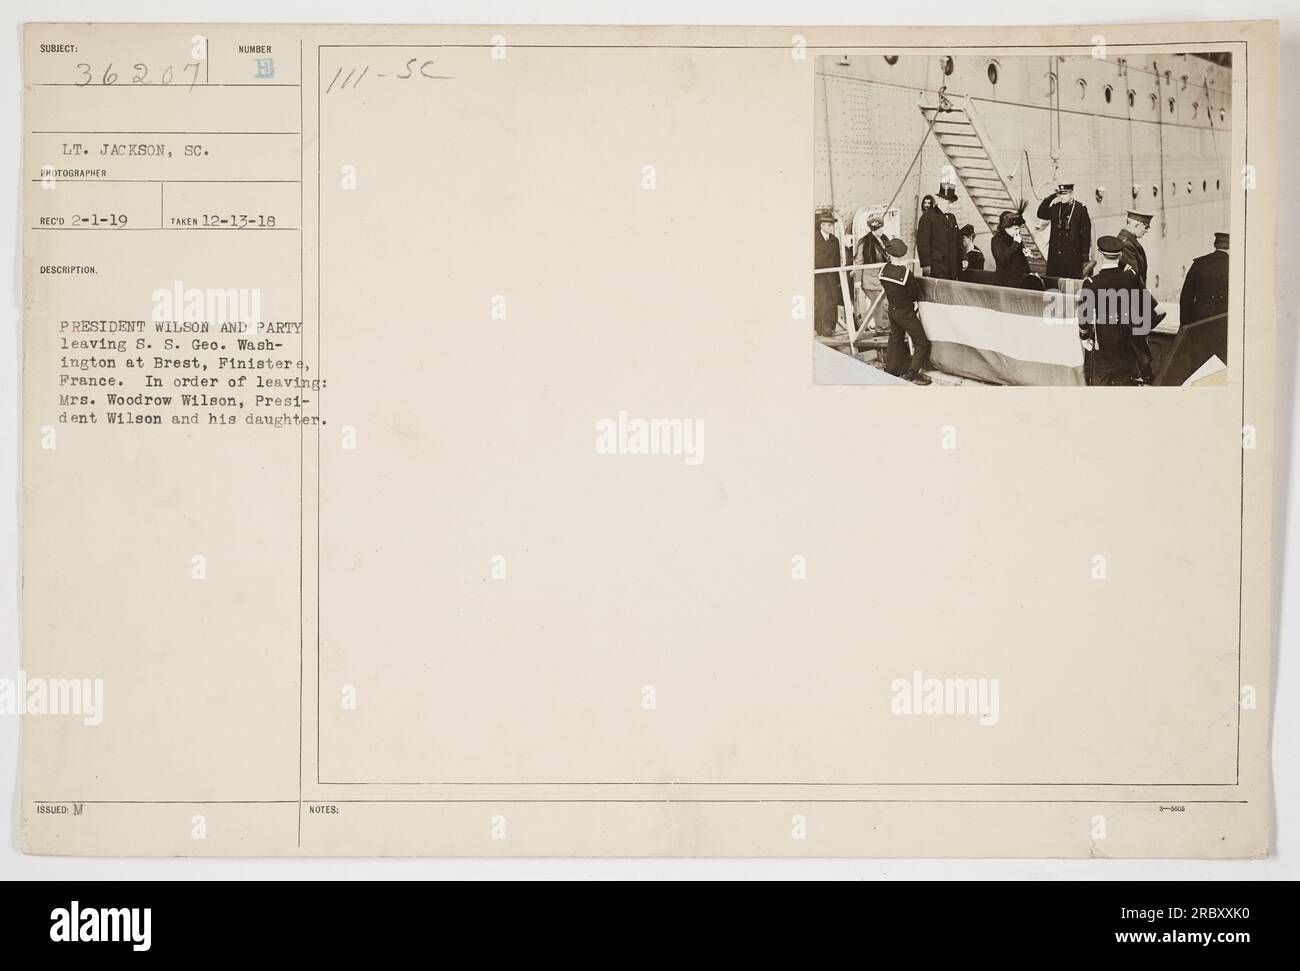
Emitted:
pixel 320 405
pixel 1241 555
pixel 302 339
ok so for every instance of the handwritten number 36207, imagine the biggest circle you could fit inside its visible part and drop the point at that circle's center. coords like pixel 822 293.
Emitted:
pixel 139 74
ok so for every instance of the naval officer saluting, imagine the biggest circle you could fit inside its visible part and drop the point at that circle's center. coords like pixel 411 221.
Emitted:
pixel 1071 242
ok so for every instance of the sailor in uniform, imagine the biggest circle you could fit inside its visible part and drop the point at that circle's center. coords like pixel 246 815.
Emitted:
pixel 1071 242
pixel 1205 289
pixel 938 242
pixel 826 286
pixel 972 258
pixel 903 293
pixel 1114 319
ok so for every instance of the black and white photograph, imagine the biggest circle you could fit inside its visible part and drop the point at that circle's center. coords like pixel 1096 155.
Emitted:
pixel 1048 220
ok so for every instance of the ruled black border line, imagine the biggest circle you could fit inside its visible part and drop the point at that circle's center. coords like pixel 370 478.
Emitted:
pixel 1243 43
pixel 637 802
pixel 302 344
pixel 128 131
pixel 182 86
pixel 179 181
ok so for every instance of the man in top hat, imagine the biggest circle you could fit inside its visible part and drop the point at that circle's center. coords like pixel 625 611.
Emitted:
pixel 1115 315
pixel 1071 242
pixel 826 286
pixel 903 293
pixel 1205 289
pixel 938 241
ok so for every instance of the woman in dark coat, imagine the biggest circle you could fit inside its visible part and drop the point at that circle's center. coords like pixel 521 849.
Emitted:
pixel 1008 251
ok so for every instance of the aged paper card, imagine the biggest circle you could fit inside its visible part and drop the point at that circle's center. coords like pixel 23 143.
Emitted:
pixel 660 441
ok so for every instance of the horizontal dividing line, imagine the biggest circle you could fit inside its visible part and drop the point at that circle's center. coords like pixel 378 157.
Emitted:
pixel 1129 48
pixel 125 132
pixel 165 802
pixel 163 87
pixel 183 181
pixel 863 785
pixel 169 229
pixel 593 47
pixel 646 802
pixel 652 802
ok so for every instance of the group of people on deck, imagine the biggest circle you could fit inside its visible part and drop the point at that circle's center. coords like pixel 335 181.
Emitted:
pixel 948 252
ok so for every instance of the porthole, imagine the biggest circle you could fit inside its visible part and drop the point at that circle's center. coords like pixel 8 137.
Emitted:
pixel 993 72
pixel 1155 102
pixel 1132 98
pixel 1082 85
pixel 1223 115
pixel 1173 188
pixel 1216 185
pixel 1171 105
pixel 1108 92
pixel 891 59
pixel 1203 185
pixel 1189 188
pixel 1155 191
pixel 1196 108
pixel 945 62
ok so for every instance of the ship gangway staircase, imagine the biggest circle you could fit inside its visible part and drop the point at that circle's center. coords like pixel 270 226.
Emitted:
pixel 965 143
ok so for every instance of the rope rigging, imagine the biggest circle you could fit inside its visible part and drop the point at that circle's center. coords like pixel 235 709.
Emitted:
pixel 943 105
